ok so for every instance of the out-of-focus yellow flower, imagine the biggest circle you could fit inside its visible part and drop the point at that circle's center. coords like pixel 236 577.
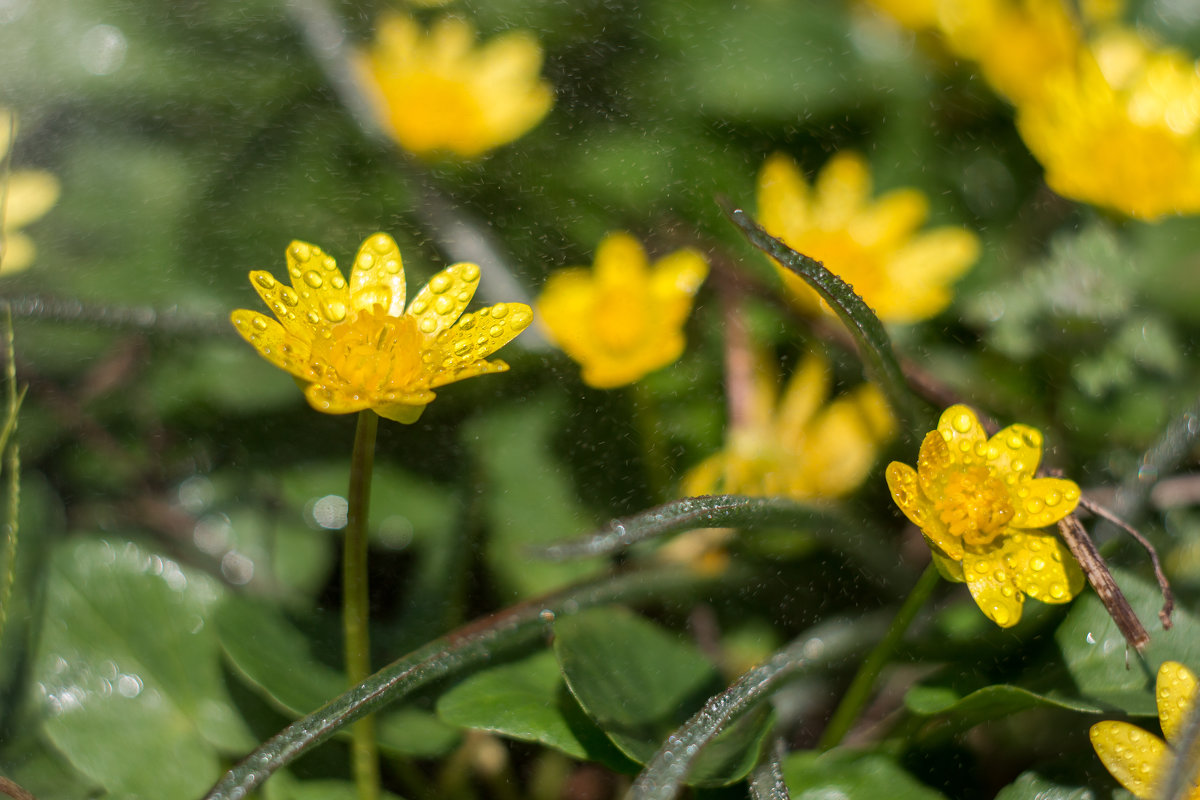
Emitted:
pixel 798 446
pixel 915 15
pixel 622 319
pixel 981 510
pixel 1139 760
pixel 874 245
pixel 1017 43
pixel 355 346
pixel 1120 128
pixel 436 91
pixel 27 195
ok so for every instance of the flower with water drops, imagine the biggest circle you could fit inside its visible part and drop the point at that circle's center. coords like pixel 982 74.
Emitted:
pixel 27 195
pixel 874 245
pixel 1140 761
pixel 354 345
pixel 435 91
pixel 624 318
pixel 983 512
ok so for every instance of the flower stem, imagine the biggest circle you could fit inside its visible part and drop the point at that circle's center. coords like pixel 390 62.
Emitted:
pixel 864 680
pixel 355 611
pixel 654 442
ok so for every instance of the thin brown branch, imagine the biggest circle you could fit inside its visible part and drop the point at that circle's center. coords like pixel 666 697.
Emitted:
pixel 1084 550
pixel 1164 586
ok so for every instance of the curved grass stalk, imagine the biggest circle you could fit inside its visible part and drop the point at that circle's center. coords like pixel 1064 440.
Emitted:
pixel 478 643
pixel 829 642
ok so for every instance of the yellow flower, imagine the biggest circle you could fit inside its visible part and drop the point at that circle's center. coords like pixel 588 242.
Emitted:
pixel 1121 128
pixel 1017 43
pixel 28 194
pixel 800 447
pixel 435 91
pixel 871 244
pixel 915 15
pixel 1140 760
pixel 355 346
pixel 624 318
pixel 981 510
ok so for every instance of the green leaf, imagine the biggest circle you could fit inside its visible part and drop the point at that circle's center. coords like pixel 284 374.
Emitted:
pixel 874 346
pixel 639 683
pixel 527 497
pixel 989 702
pixel 849 774
pixel 1095 652
pixel 528 700
pixel 286 787
pixel 276 659
pixel 1032 786
pixel 127 647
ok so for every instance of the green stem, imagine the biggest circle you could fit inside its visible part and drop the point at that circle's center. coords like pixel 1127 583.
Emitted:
pixel 654 443
pixel 12 466
pixel 864 681
pixel 355 602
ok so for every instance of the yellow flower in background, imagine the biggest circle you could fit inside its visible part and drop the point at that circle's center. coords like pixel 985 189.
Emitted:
pixel 798 446
pixel 623 318
pixel 1016 43
pixel 435 91
pixel 355 346
pixel 915 15
pixel 27 195
pixel 872 244
pixel 1120 129
pixel 1140 760
pixel 982 511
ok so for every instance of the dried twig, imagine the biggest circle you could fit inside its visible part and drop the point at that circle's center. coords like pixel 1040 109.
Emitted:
pixel 1164 586
pixel 1101 579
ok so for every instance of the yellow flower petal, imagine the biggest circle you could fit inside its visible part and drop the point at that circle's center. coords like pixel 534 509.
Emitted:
pixel 806 391
pixel 1042 566
pixel 1016 449
pixel 890 220
pixel 1137 759
pixel 1047 500
pixel 903 482
pixel 949 568
pixel 934 462
pixel 782 197
pixel 377 277
pixel 30 195
pixel 319 285
pixel 993 587
pixel 963 434
pixel 440 302
pixel 17 254
pixel 842 187
pixel 273 342
pixel 1175 689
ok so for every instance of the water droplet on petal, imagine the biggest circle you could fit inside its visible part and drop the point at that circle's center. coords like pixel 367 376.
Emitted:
pixel 313 279
pixel 999 614
pixel 520 318
pixel 301 251
pixel 440 283
pixel 1034 504
pixel 365 260
pixel 1037 564
pixel 264 280
pixel 470 272
pixel 1057 591
pixel 337 282
pixel 391 266
pixel 499 310
pixel 335 311
pixel 962 422
pixel 259 323
pixel 428 325
pixel 289 296
pixel 443 305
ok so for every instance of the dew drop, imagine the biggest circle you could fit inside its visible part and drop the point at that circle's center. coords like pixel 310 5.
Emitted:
pixel 464 297
pixel 391 266
pixel 1006 590
pixel 259 323
pixel 520 318
pixel 461 348
pixel 999 614
pixel 466 322
pixel 1014 442
pixel 301 251
pixel 1034 504
pixel 470 272
pixel 499 310
pixel 337 282
pixel 1053 498
pixel 1057 591
pixel 1037 564
pixel 440 283
pixel 443 305
pixel 419 306
pixel 365 260
pixel 264 280
pixel 313 279
pixel 289 296
pixel 1000 575
pixel 1018 465
pixel 427 325
pixel 313 318
pixel 335 311
pixel 962 423
pixel 381 242
pixel 496 331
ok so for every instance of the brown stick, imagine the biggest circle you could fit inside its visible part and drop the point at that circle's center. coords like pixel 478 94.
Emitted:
pixel 14 791
pixel 1164 586
pixel 1101 579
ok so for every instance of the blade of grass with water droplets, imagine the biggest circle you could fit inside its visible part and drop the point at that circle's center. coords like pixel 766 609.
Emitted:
pixel 831 641
pixel 478 643
pixel 874 346
pixel 737 511
pixel 766 781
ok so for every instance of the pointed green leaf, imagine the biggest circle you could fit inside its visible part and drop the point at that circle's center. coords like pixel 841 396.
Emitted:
pixel 847 773
pixel 1032 786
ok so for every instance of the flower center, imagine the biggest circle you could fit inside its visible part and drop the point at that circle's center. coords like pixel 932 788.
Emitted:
pixel 974 505
pixel 620 317
pixel 373 352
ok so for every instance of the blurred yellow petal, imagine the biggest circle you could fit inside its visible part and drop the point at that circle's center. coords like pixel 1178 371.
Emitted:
pixel 17 254
pixel 30 195
pixel 842 188
pixel 364 350
pixel 806 390
pixel 782 196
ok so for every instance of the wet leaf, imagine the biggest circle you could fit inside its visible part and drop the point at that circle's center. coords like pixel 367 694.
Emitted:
pixel 850 774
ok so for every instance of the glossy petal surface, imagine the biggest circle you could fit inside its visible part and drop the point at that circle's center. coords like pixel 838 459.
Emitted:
pixel 1133 756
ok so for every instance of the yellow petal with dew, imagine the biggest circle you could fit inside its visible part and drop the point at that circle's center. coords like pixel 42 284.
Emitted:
pixel 318 282
pixel 1175 690
pixel 296 314
pixel 1042 565
pixel 335 399
pixel 842 188
pixel 440 302
pixel 934 463
pixel 377 276
pixel 272 342
pixel 993 586
pixel 30 195
pixel 1017 451
pixel 405 413
pixel 477 335
pixel 965 438
pixel 1042 502
pixel 782 197
pixel 903 482
pixel 1136 758
pixel 468 371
